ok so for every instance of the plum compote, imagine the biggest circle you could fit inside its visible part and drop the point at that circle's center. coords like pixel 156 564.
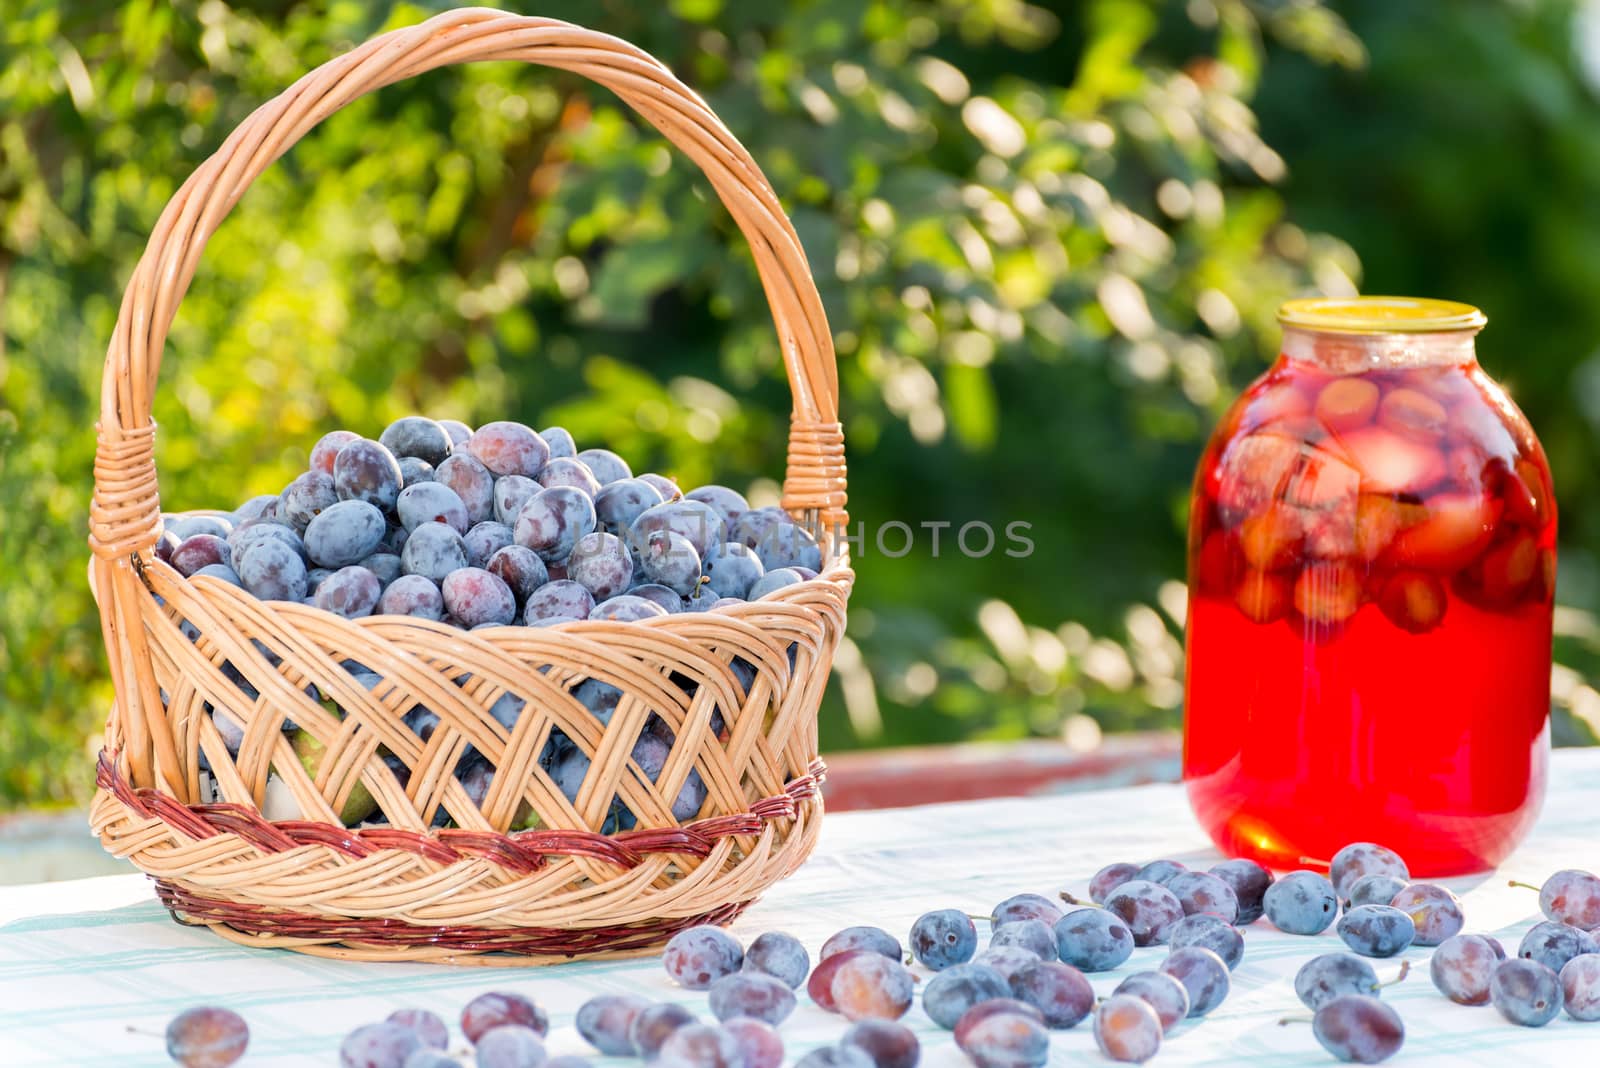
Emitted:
pixel 1372 558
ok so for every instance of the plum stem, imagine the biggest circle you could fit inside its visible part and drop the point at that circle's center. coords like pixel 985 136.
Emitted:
pixel 1287 1020
pixel 1066 895
pixel 979 919
pixel 1405 970
pixel 1316 862
pixel 1523 885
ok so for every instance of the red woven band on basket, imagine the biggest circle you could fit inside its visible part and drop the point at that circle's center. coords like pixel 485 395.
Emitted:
pixel 519 851
pixel 196 910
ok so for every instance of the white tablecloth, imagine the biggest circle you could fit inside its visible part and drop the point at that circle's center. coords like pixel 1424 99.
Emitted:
pixel 81 962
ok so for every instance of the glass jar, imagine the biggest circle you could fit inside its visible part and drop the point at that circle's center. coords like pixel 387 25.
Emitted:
pixel 1372 559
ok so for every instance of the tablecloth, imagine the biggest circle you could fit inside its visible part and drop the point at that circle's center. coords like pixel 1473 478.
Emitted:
pixel 81 963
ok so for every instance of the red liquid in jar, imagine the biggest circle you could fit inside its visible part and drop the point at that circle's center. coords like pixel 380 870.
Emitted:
pixel 1372 563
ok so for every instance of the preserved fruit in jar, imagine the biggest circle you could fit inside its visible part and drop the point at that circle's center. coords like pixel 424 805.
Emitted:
pixel 1372 555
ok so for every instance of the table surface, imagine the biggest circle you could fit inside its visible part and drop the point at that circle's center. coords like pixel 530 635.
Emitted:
pixel 82 962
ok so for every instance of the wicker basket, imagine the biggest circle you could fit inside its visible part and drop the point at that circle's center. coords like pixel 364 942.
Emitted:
pixel 472 892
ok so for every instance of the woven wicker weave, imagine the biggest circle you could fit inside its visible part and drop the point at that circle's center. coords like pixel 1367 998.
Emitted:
pixel 473 891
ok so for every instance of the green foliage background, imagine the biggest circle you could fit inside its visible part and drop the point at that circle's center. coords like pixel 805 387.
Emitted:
pixel 1050 237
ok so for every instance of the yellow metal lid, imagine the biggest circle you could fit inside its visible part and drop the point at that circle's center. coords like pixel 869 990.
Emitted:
pixel 1379 315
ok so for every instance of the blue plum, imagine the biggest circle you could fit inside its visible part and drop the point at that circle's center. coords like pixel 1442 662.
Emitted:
pixel 304 499
pixel 1364 858
pixel 888 1044
pixel 433 550
pixel 1094 940
pixel 1249 881
pixel 327 449
pixel 874 939
pixel 759 1043
pixel 569 473
pixel 619 503
pixel 1461 968
pixel 477 597
pixel 626 609
pixel 472 483
pixel 351 592
pixel 378 1045
pixel 1580 987
pixel 1572 897
pixel 1203 974
pixel 606 466
pixel 698 956
pixel 429 1026
pixel 605 1022
pixel 386 566
pixel 484 540
pixel 732 568
pixel 948 995
pixel 1325 977
pixel 779 955
pixel 200 550
pixel 521 570
pixel 1376 930
pixel 1358 1028
pixel 772 582
pixel 654 1025
pixel 366 471
pixel 661 595
pixel 1302 902
pixel 1035 936
pixel 728 504
pixel 561 599
pixel 1109 878
pixel 1168 997
pixel 559 440
pixel 751 994
pixel 1127 1029
pixel 1374 889
pixel 207 1037
pixel 1553 944
pixel 943 938
pixel 1201 892
pixel 418 437
pixel 430 502
pixel 413 471
pixel 1024 907
pixel 698 522
pixel 510 1046
pixel 668 559
pixel 601 564
pixel 1434 910
pixel 510 494
pixel 412 595
pixel 499 1009
pixel 1149 909
pixel 873 986
pixel 344 533
pixel 1059 991
pixel 1210 932
pixel 552 522
pixel 272 571
pixel 508 448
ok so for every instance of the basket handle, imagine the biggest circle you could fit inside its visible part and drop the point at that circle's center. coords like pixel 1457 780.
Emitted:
pixel 125 514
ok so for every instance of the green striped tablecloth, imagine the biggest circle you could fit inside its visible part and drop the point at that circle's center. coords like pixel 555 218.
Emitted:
pixel 81 962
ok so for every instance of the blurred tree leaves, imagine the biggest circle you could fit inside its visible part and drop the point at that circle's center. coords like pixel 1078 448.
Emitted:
pixel 1050 239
